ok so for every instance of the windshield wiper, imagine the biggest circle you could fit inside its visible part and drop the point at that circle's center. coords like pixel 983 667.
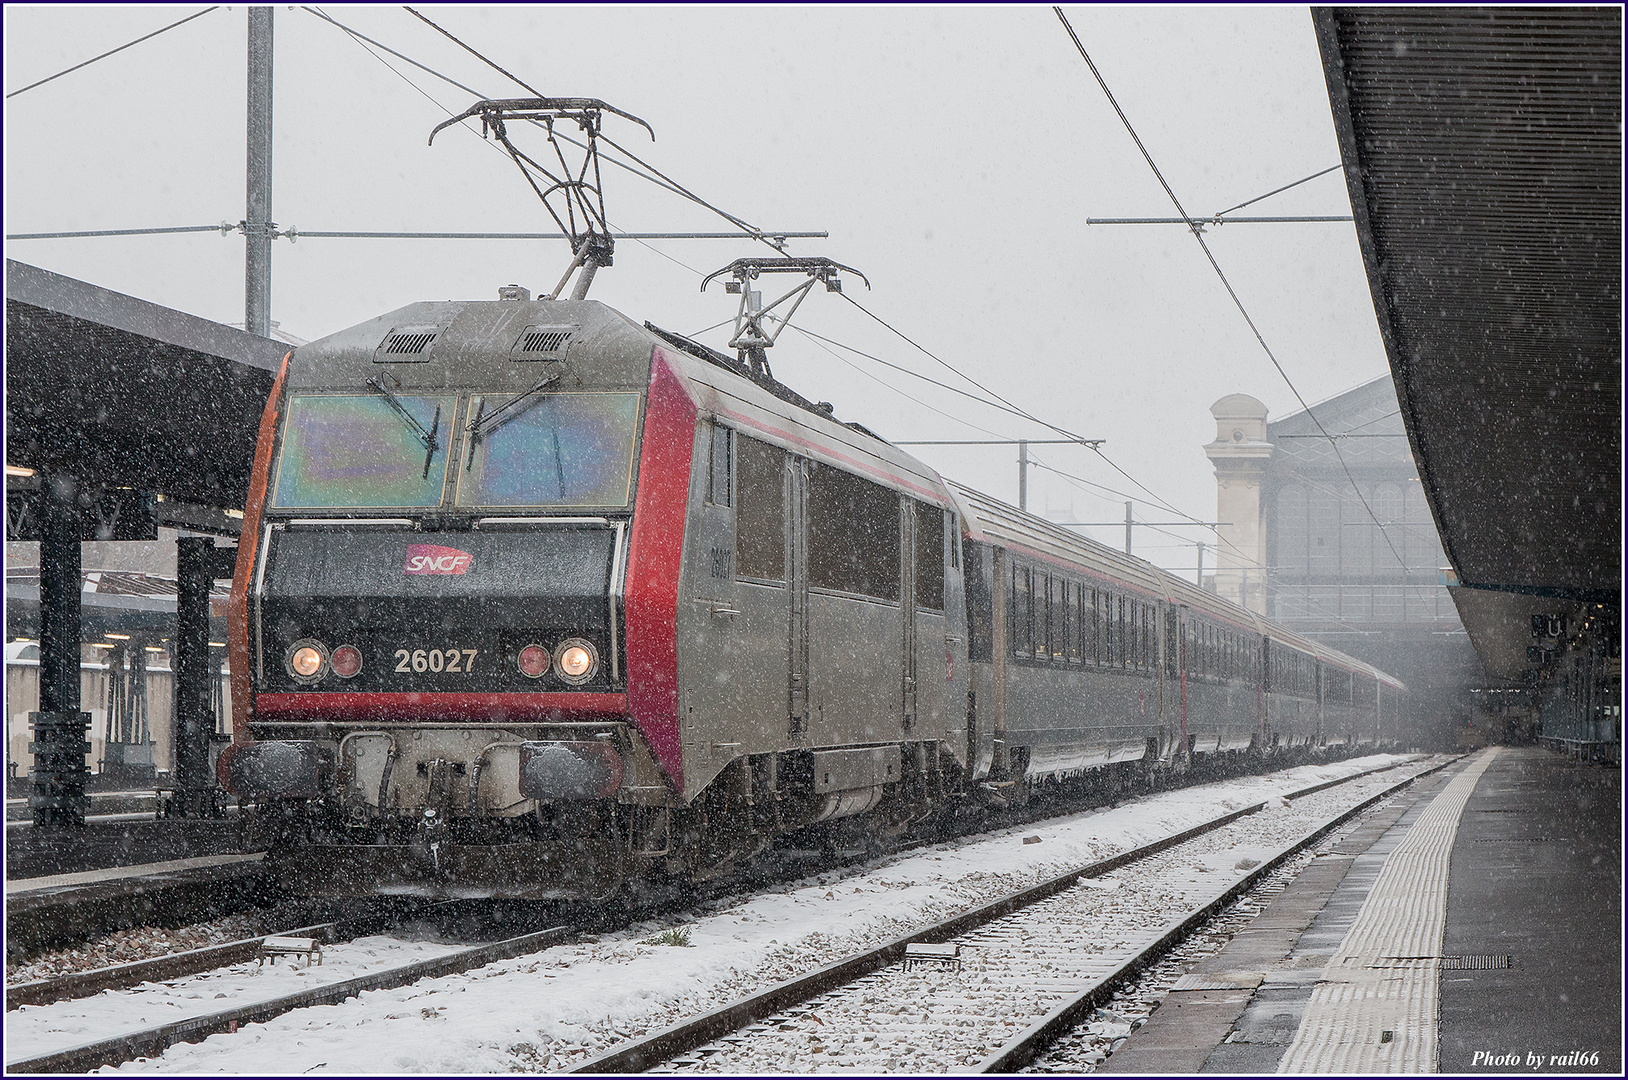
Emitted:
pixel 425 437
pixel 484 423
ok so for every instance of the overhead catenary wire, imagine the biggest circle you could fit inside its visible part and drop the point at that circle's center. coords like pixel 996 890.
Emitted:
pixel 1198 234
pixel 110 52
pixel 820 343
pixel 489 63
pixel 764 238
pixel 1071 437
pixel 762 235
pixel 1278 191
pixel 400 56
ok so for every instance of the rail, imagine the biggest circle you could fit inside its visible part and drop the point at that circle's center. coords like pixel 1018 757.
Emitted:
pixel 153 1041
pixel 640 1054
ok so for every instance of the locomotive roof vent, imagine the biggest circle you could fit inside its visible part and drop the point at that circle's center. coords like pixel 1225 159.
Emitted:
pixel 513 292
pixel 406 345
pixel 543 342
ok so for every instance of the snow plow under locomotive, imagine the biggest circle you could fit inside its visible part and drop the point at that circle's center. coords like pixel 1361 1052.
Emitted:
pixel 535 601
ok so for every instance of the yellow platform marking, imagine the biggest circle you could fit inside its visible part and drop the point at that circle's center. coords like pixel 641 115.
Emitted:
pixel 1366 992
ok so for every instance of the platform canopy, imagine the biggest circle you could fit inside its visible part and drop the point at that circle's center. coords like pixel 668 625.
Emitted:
pixel 120 392
pixel 1483 153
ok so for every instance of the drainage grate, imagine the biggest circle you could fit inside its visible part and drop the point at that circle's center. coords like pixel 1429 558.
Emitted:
pixel 1448 963
pixel 1518 839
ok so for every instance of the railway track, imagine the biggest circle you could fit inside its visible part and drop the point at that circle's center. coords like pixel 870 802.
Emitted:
pixel 151 1040
pixel 940 997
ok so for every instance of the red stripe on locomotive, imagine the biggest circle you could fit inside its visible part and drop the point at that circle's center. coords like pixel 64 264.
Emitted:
pixel 440 706
pixel 655 551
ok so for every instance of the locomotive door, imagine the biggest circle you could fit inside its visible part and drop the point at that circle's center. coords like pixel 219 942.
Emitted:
pixel 797 543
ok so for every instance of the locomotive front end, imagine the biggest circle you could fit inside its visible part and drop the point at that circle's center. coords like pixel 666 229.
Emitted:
pixel 437 663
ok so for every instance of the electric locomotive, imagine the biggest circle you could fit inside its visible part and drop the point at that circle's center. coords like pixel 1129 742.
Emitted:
pixel 535 601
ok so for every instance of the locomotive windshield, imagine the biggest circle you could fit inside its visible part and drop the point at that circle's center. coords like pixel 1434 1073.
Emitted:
pixel 382 450
pixel 359 451
pixel 561 450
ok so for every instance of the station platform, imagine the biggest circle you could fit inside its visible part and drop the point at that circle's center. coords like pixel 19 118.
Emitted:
pixel 49 911
pixel 1473 925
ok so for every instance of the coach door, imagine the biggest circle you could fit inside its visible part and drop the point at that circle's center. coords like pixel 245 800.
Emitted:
pixel 907 604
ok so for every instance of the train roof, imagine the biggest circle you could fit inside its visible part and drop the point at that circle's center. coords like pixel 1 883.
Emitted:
pixel 989 520
pixel 776 414
pixel 460 339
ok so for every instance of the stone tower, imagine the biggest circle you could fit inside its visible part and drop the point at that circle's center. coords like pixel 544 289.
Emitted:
pixel 1240 453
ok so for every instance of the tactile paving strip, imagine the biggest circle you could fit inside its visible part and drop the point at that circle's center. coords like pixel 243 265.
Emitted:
pixel 1369 1017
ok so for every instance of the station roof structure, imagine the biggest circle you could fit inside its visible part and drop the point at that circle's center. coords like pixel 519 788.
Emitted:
pixel 1482 149
pixel 121 392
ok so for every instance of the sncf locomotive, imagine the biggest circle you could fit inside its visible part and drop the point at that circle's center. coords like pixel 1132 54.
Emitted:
pixel 535 601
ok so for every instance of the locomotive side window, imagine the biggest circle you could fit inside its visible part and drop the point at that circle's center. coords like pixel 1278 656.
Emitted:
pixel 550 450
pixel 355 450
pixel 718 488
pixel 853 534
pixel 760 510
pixel 929 557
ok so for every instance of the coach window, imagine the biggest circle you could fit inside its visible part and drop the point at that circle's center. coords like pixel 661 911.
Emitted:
pixel 1114 631
pixel 1071 622
pixel 1092 608
pixel 760 509
pixel 1137 638
pixel 1039 596
pixel 1022 625
pixel 1150 638
pixel 929 557
pixel 853 534
pixel 1057 618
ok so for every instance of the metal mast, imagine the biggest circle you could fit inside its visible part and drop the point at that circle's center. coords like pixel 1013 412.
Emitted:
pixel 257 225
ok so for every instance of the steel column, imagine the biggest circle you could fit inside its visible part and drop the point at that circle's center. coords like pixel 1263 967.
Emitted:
pixel 59 744
pixel 197 563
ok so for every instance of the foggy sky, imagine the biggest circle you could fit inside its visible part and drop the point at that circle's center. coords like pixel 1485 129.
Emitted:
pixel 952 153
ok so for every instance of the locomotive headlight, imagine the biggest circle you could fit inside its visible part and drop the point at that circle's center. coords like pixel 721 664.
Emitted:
pixel 576 660
pixel 307 660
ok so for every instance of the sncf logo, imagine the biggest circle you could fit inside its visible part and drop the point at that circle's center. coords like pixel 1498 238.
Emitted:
pixel 433 559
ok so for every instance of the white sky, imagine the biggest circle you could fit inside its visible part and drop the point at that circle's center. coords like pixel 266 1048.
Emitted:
pixel 953 153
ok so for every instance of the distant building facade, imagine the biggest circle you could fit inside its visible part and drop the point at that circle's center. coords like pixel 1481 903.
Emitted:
pixel 1341 547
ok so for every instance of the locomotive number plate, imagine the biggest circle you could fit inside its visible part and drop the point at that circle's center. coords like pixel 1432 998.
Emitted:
pixel 436 660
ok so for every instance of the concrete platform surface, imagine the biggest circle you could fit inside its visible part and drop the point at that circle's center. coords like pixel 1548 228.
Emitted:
pixel 1481 933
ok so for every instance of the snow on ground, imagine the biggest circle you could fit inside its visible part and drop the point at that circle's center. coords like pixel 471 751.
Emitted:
pixel 551 1009
pixel 34 1030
